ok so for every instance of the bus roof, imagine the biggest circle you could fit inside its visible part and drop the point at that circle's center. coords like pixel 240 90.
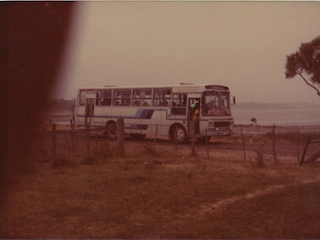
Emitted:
pixel 175 88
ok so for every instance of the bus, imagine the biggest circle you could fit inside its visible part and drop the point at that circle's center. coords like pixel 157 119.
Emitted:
pixel 165 110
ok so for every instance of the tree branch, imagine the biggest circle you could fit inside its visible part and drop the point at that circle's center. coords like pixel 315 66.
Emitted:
pixel 318 92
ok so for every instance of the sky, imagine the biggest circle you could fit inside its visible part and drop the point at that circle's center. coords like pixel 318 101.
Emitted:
pixel 242 45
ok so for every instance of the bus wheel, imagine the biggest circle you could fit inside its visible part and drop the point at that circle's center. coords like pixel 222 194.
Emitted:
pixel 203 140
pixel 178 134
pixel 137 136
pixel 111 130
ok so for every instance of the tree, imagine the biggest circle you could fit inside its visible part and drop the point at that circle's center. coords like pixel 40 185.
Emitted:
pixel 254 120
pixel 306 62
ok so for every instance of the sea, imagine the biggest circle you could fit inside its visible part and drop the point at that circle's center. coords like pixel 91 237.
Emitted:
pixel 266 114
pixel 300 114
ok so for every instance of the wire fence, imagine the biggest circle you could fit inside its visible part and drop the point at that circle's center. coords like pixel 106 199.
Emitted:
pixel 249 143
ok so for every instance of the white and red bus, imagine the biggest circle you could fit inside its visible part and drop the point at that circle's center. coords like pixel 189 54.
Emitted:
pixel 165 109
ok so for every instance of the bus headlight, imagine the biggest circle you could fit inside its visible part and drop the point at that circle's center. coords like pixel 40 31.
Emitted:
pixel 210 124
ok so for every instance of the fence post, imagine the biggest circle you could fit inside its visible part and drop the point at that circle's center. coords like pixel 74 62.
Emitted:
pixel 155 138
pixel 88 137
pixel 175 140
pixel 298 143
pixel 120 134
pixel 244 146
pixel 54 141
pixel 193 137
pixel 260 157
pixel 85 121
pixel 274 144
pixel 72 133
pixel 96 132
pixel 107 146
pixel 207 143
pixel 304 151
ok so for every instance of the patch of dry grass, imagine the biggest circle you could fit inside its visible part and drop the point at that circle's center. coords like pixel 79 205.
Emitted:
pixel 103 195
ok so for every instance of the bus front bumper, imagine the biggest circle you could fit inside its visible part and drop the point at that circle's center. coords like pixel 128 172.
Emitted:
pixel 217 132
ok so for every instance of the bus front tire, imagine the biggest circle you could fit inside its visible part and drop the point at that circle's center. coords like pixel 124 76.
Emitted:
pixel 178 134
pixel 111 130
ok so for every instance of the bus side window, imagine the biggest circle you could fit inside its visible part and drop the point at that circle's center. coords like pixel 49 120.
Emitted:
pixel 162 97
pixel 122 98
pixel 141 97
pixel 136 98
pixel 82 100
pixel 147 99
pixel 103 98
pixel 179 104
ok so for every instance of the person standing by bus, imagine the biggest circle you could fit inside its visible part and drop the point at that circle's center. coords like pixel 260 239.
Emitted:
pixel 196 115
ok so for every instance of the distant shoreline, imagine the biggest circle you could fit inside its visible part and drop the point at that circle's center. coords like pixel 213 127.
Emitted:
pixel 260 129
pixel 253 105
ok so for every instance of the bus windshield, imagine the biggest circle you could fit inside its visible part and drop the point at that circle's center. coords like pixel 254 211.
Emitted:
pixel 225 103
pixel 215 104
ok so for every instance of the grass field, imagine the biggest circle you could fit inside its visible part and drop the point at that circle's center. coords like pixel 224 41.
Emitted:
pixel 160 194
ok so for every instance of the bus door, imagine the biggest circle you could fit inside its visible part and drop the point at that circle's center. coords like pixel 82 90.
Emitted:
pixel 193 103
pixel 89 111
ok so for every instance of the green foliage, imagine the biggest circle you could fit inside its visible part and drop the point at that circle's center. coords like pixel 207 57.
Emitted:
pixel 306 61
